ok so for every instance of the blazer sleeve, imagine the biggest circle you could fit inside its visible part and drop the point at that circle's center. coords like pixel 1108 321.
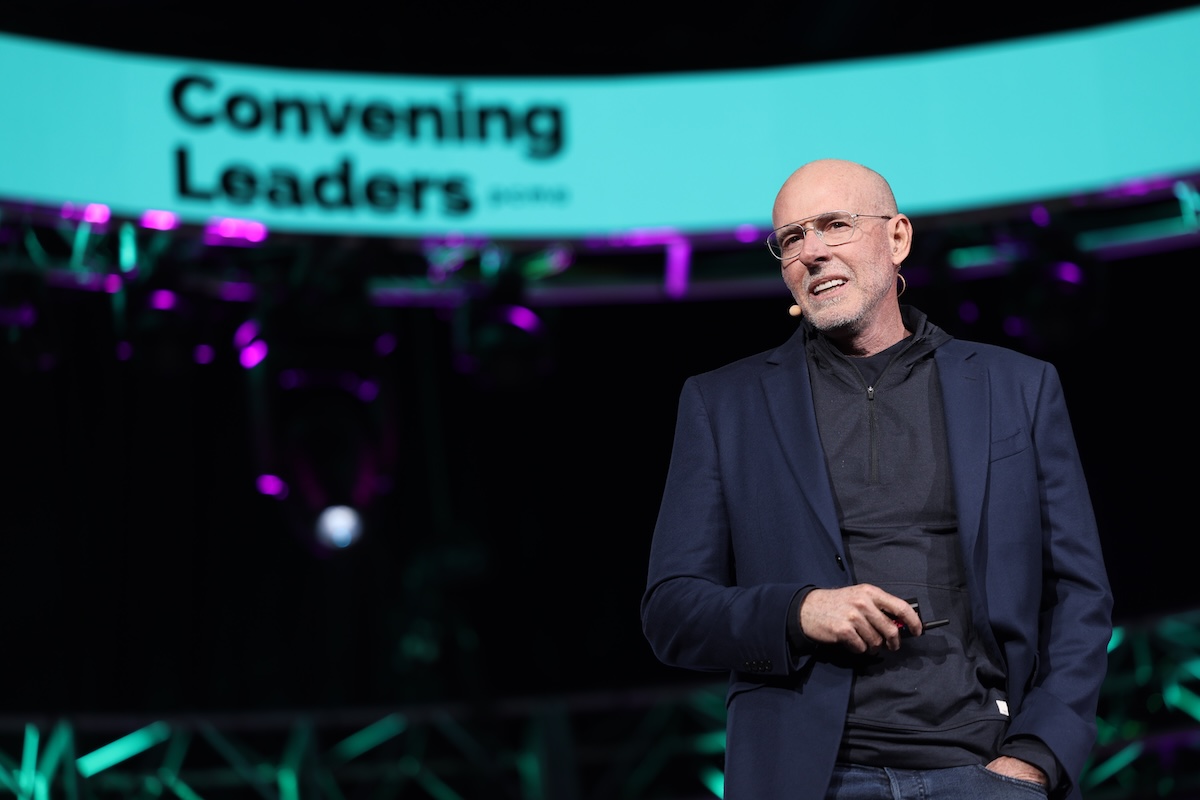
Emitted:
pixel 694 612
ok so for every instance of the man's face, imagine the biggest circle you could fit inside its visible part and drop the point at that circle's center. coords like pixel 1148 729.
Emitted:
pixel 840 288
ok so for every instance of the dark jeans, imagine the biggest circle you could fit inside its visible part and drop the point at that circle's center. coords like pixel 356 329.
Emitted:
pixel 955 783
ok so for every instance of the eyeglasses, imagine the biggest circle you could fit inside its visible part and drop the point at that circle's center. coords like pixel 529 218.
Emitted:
pixel 833 227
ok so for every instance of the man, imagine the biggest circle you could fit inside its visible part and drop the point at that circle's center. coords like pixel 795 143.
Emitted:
pixel 829 498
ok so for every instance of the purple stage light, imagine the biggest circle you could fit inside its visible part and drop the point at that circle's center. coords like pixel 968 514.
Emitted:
pixel 521 317
pixel 236 292
pixel 203 354
pixel 1139 187
pixel 1068 272
pixel 746 233
pixel 162 299
pixel 1015 326
pixel 245 334
pixel 160 220
pixel 95 213
pixel 679 267
pixel 367 391
pixel 253 354
pixel 272 486
pixel 22 316
pixel 228 230
pixel 968 312
pixel 385 344
pixel 560 259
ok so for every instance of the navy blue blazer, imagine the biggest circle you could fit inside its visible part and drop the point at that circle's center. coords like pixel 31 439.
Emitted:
pixel 748 518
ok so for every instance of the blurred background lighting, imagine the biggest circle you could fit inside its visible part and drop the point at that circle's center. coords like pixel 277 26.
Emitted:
pixel 968 311
pixel 1068 272
pixel 746 233
pixel 523 318
pixel 160 220
pixel 385 344
pixel 679 266
pixel 272 485
pixel 96 212
pixel 245 334
pixel 162 299
pixel 1015 326
pixel 236 292
pixel 253 354
pixel 367 391
pixel 228 230
pixel 338 526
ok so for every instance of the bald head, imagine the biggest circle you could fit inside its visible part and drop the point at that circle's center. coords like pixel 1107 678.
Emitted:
pixel 832 184
pixel 846 289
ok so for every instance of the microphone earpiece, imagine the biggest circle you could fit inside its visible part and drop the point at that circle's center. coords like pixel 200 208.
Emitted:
pixel 795 311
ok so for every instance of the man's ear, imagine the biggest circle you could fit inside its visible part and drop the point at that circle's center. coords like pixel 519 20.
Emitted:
pixel 902 232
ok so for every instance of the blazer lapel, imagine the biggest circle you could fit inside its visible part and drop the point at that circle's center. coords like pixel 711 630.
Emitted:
pixel 967 405
pixel 788 392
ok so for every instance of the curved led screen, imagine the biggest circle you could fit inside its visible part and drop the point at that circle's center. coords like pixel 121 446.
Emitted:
pixel 584 156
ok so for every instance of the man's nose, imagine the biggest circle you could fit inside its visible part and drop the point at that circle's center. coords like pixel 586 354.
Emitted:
pixel 812 246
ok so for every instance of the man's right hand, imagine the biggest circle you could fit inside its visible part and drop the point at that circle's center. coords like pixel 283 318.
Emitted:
pixel 862 618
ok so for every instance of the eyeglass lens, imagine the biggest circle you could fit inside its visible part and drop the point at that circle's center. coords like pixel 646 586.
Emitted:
pixel 832 228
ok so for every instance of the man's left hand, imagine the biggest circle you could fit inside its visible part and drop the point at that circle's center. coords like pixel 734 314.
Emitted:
pixel 1021 770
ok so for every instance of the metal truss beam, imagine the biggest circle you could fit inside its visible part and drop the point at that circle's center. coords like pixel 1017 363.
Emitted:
pixel 665 743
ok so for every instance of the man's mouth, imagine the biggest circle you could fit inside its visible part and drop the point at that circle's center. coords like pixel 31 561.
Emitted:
pixel 827 285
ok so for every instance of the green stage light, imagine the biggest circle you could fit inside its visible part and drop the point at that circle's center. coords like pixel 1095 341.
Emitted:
pixel 122 749
pixel 368 738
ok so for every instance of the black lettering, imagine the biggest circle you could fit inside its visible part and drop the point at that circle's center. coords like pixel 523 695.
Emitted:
pixel 336 123
pixel 544 124
pixel 338 182
pixel 199 101
pixel 417 190
pixel 285 108
pixel 239 184
pixel 461 133
pixel 183 186
pixel 496 113
pixel 247 121
pixel 382 191
pixel 528 195
pixel 284 189
pixel 417 113
pixel 457 196
pixel 379 121
pixel 177 91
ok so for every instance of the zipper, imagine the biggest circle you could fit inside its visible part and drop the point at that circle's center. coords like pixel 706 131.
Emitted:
pixel 873 471
pixel 874 453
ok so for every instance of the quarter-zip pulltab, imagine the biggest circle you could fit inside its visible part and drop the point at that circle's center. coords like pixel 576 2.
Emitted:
pixel 874 451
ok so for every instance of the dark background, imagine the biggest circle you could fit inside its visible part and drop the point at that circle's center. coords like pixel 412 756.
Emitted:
pixel 144 572
pixel 624 36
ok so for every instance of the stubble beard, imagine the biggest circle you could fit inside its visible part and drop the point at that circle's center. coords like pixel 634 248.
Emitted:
pixel 846 316
pixel 837 316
